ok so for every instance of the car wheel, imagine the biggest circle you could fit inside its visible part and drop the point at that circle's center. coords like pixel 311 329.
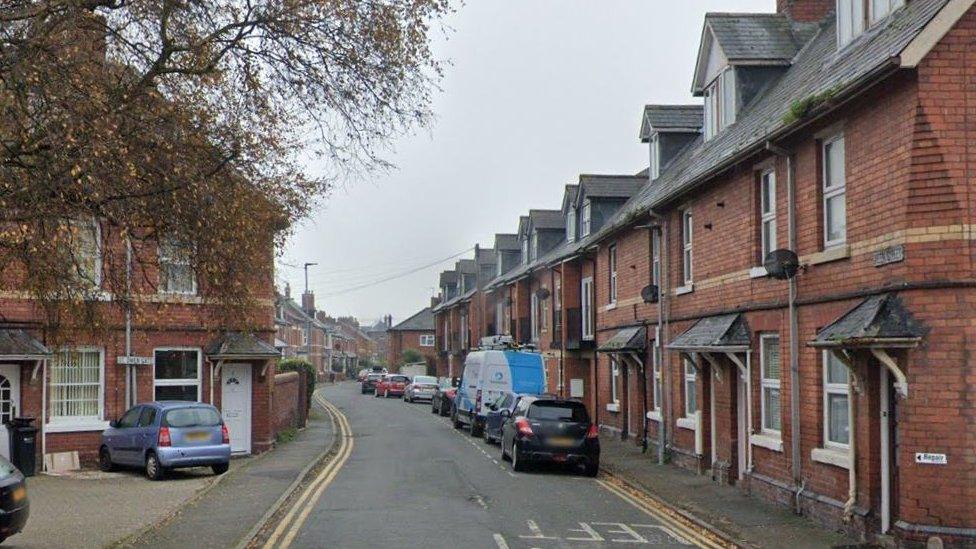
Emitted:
pixel 433 408
pixel 154 470
pixel 363 391
pixel 105 460
pixel 504 453
pixel 592 468
pixel 220 468
pixel 457 422
pixel 477 429
pixel 518 465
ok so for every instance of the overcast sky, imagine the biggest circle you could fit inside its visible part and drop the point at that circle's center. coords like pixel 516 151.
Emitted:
pixel 538 91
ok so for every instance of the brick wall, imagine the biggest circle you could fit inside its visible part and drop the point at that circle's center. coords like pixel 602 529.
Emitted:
pixel 288 402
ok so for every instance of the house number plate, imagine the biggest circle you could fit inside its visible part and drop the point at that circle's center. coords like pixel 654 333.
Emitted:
pixel 931 459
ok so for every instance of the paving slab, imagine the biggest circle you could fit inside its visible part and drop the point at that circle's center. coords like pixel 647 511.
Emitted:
pixel 746 519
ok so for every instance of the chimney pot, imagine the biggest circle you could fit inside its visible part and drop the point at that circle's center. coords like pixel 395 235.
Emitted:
pixel 805 11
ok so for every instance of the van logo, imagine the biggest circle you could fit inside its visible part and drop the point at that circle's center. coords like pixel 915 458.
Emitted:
pixel 497 376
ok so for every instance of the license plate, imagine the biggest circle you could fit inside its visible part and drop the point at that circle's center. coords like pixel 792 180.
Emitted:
pixel 561 441
pixel 559 458
pixel 197 436
pixel 19 494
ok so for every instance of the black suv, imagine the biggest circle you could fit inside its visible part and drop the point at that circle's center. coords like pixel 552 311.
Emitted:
pixel 369 384
pixel 552 430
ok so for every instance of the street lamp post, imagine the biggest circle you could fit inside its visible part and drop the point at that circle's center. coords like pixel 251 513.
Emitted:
pixel 308 323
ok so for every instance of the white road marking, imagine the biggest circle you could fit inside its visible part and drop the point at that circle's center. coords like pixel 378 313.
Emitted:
pixel 585 528
pixel 500 542
pixel 677 537
pixel 624 529
pixel 536 531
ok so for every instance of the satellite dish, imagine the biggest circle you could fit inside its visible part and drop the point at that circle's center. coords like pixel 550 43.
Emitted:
pixel 650 294
pixel 782 264
pixel 542 293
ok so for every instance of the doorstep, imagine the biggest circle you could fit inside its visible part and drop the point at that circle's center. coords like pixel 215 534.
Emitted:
pixel 724 509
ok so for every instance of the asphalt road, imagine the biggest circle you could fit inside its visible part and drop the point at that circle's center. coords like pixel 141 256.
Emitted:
pixel 413 481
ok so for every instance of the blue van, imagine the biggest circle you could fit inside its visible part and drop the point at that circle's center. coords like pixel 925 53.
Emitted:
pixel 488 374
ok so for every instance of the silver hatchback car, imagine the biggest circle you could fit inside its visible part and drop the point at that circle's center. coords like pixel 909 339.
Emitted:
pixel 421 388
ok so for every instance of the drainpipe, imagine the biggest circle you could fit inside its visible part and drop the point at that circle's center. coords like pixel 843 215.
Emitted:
pixel 796 462
pixel 852 390
pixel 663 324
pixel 131 393
pixel 596 370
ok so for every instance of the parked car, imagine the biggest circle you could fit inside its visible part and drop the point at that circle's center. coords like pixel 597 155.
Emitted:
pixel 361 375
pixel 443 397
pixel 421 388
pixel 547 429
pixel 159 436
pixel 487 374
pixel 14 504
pixel 493 417
pixel 391 385
pixel 369 383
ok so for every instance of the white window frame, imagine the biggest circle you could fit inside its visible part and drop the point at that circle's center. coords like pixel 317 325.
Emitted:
pixel 690 378
pixel 612 264
pixel 182 381
pixel 95 226
pixel 586 307
pixel 834 389
pixel 464 332
pixel 525 250
pixel 571 225
pixel 534 313
pixel 720 101
pixel 80 423
pixel 174 259
pixel 687 242
pixel 534 246
pixel 655 165
pixel 831 190
pixel 768 384
pixel 585 224
pixel 499 317
pixel 767 212
pixel 856 16
pixel 614 381
pixel 426 340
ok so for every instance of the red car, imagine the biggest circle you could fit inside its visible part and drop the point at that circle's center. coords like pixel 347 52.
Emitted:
pixel 391 385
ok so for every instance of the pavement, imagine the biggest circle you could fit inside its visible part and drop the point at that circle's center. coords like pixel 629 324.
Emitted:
pixel 745 519
pixel 411 480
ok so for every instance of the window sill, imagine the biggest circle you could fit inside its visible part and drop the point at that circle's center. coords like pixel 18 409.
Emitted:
pixel 613 407
pixel 832 456
pixel 610 306
pixel 836 253
pixel 758 272
pixel 767 441
pixel 690 423
pixel 78 426
pixel 686 289
pixel 654 415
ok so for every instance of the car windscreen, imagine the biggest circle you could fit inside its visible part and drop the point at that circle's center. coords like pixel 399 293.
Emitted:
pixel 191 417
pixel 558 411
pixel 399 379
pixel 374 377
pixel 425 380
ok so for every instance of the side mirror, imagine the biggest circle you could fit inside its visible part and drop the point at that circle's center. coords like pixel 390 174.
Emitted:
pixel 114 424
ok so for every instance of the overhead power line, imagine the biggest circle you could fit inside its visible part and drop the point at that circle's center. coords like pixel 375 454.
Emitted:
pixel 396 276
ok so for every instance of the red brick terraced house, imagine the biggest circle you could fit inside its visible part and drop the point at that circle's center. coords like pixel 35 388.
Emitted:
pixel 75 389
pixel 417 333
pixel 834 132
pixel 452 317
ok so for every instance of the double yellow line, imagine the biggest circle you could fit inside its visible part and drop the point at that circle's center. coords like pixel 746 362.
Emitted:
pixel 671 520
pixel 291 524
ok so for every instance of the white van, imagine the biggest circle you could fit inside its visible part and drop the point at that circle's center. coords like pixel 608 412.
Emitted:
pixel 487 374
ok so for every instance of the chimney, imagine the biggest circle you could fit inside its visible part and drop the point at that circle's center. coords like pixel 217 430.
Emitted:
pixel 287 290
pixel 434 301
pixel 805 11
pixel 308 303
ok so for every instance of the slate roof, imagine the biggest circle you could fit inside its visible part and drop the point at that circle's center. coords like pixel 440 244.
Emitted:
pixel 486 256
pixel 507 242
pixel 818 67
pixel 757 36
pixel 875 320
pixel 569 197
pixel 627 339
pixel 20 344
pixel 467 266
pixel 714 332
pixel 238 345
pixel 610 186
pixel 547 219
pixel 671 117
pixel 421 321
pixel 448 277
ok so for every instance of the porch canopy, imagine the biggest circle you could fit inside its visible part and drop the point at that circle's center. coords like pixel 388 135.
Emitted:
pixel 723 334
pixel 17 344
pixel 875 325
pixel 239 346
pixel 626 340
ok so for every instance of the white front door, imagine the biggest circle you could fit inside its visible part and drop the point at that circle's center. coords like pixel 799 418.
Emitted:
pixel 9 402
pixel 235 401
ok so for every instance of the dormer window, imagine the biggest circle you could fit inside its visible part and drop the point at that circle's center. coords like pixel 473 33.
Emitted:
pixel 720 103
pixel 571 225
pixel 856 16
pixel 534 252
pixel 585 219
pixel 525 251
pixel 655 169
